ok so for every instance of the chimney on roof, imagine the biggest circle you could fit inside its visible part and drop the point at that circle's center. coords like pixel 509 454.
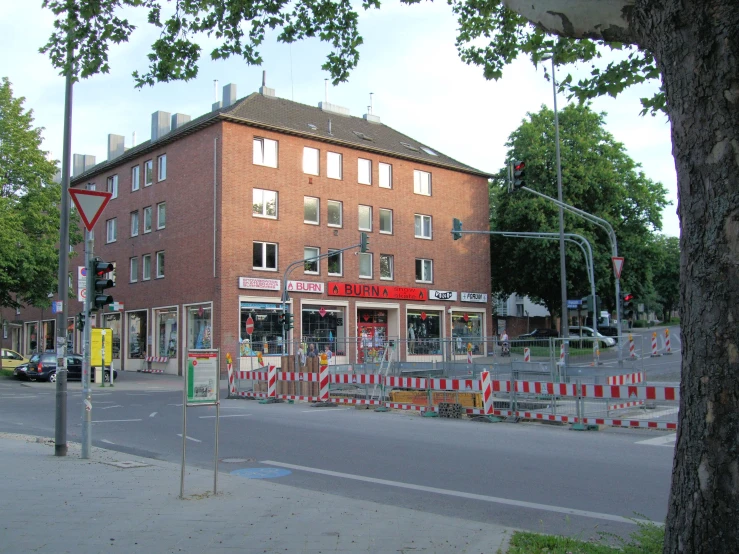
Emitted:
pixel 179 119
pixel 369 116
pixel 81 163
pixel 116 145
pixel 264 90
pixel 159 124
pixel 229 95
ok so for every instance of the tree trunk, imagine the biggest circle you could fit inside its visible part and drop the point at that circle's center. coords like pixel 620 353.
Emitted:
pixel 697 47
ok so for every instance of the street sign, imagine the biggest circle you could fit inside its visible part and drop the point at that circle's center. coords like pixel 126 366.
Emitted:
pixel 249 325
pixel 618 265
pixel 81 283
pixel 90 204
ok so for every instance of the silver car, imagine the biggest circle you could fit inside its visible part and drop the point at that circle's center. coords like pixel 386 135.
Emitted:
pixel 583 337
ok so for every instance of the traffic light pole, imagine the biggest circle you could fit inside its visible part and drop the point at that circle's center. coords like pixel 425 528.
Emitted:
pixel 86 334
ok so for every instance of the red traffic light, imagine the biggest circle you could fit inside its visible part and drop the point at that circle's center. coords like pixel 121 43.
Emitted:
pixel 101 267
pixel 628 297
pixel 519 166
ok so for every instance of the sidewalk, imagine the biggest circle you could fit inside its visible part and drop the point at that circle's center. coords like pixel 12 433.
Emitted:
pixel 65 504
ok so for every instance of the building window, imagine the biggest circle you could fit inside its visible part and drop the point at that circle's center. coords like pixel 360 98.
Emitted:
pixel 266 337
pixel 311 267
pixel 422 182
pixel 265 152
pixel 160 264
pixel 423 226
pixel 134 270
pixel 310 160
pixel 161 215
pixel 113 322
pixel 264 256
pixel 135 178
pixel 324 326
pixel 334 166
pixel 311 210
pixel 166 329
pixel 146 262
pixel 365 265
pixel 264 203
pixel 365 218
pixel 335 262
pixel 148 172
pixel 386 267
pixel 162 167
pixel 335 213
pixel 364 171
pixel 424 332
pixel 111 228
pixel 386 176
pixel 424 270
pixel 135 223
pixel 137 330
pixel 386 221
pixel 199 327
pixel 113 186
pixel 147 219
pixel 467 329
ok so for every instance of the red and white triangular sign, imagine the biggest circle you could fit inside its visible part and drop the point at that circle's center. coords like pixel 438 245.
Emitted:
pixel 90 204
pixel 618 265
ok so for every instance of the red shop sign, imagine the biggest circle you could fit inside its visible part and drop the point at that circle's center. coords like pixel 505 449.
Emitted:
pixel 376 291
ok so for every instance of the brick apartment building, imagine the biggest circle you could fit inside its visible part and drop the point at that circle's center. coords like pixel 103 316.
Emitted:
pixel 231 198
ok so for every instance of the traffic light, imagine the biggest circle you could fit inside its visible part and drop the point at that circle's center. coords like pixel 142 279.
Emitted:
pixel 288 321
pixel 80 322
pixel 100 282
pixel 456 229
pixel 519 175
pixel 363 242
pixel 628 305
pixel 281 320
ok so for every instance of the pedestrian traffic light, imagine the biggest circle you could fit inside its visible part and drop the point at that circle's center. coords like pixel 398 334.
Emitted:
pixel 519 175
pixel 456 229
pixel 99 270
pixel 281 320
pixel 80 322
pixel 363 242
pixel 628 305
pixel 288 321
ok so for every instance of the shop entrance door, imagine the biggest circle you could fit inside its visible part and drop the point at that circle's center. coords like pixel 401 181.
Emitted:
pixel 371 335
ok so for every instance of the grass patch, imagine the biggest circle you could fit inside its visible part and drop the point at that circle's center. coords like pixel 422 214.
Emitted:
pixel 6 372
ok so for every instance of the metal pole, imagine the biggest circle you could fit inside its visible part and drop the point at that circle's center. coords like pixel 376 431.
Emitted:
pixel 218 418
pixel 86 332
pixel 60 423
pixel 564 322
pixel 184 431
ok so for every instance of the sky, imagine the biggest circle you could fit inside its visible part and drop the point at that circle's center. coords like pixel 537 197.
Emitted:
pixel 408 61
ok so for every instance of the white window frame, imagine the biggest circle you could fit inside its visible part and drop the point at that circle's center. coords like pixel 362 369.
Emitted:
pixel 390 232
pixel 364 171
pixel 306 254
pixel 422 182
pixel 133 270
pixel 162 167
pixel 135 223
pixel 341 262
pixel 146 267
pixel 430 278
pixel 160 264
pixel 161 215
pixel 311 161
pixel 423 218
pixel 386 175
pixel 391 258
pixel 334 165
pixel 364 256
pixel 260 194
pixel 147 210
pixel 318 211
pixel 148 173
pixel 135 178
pixel 341 213
pixel 263 148
pixel 111 230
pixel 112 185
pixel 264 256
pixel 359 218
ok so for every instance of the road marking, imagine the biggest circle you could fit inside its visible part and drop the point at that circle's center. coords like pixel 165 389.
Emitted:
pixel 224 415
pixel 666 440
pixel 107 441
pixel 174 404
pixel 109 407
pixel 326 410
pixel 188 438
pixel 152 414
pixel 114 420
pixel 460 494
pixel 137 394
pixel 19 396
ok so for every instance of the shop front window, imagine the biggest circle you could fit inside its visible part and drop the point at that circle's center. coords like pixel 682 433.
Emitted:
pixel 31 338
pixel 166 322
pixel 113 322
pixel 467 329
pixel 424 332
pixel 324 326
pixel 267 335
pixel 137 333
pixel 199 328
pixel 48 332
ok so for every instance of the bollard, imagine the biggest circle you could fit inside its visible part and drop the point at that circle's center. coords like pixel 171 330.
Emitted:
pixel 655 353
pixel 668 349
pixel 632 352
pixel 526 355
pixel 271 386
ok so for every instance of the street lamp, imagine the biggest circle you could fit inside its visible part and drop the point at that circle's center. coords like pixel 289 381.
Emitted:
pixel 562 269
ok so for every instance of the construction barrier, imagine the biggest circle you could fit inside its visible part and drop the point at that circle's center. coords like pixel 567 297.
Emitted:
pixel 527 355
pixel 668 349
pixel 655 352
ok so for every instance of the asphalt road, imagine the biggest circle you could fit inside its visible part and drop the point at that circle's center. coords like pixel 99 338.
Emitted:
pixel 527 475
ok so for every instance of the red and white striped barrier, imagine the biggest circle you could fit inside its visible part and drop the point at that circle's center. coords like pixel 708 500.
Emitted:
pixel 626 379
pixel 253 375
pixel 272 381
pixel 668 349
pixel 432 384
pixel 157 359
pixel 587 420
pixel 632 352
pixel 544 388
pixel 231 384
pixel 152 371
pixel 324 383
pixel 356 379
pixel 631 392
pixel 562 353
pixel 526 354
pixel 297 376
pixel 655 353
pixel 625 405
pixel 358 401
pixel 487 392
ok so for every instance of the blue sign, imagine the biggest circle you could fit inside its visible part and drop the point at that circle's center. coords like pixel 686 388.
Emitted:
pixel 573 304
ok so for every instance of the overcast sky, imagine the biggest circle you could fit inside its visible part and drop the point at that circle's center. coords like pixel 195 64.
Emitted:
pixel 408 61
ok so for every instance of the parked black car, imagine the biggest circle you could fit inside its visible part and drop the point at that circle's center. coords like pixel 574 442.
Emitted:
pixel 42 367
pixel 537 337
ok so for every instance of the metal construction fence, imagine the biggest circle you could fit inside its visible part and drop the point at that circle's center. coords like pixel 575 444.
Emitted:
pixel 535 384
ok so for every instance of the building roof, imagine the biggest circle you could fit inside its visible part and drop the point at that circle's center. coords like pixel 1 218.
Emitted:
pixel 285 116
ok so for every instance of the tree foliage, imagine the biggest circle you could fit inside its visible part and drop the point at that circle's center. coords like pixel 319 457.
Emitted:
pixel 597 177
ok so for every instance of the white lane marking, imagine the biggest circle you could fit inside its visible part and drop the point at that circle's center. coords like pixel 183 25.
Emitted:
pixel 460 494
pixel 223 415
pixel 174 405
pixel 107 441
pixel 137 394
pixel 326 410
pixel 667 440
pixel 109 407
pixel 19 396
pixel 188 438
pixel 152 414
pixel 114 420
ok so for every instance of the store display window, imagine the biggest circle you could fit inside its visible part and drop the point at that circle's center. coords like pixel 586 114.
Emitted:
pixel 423 332
pixel 267 335
pixel 166 332
pixel 137 332
pixel 31 338
pixel 199 327
pixel 324 326
pixel 467 329
pixel 113 322
pixel 48 334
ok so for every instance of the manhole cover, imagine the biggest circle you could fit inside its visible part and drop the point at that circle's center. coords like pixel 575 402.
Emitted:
pixel 261 472
pixel 127 465
pixel 237 460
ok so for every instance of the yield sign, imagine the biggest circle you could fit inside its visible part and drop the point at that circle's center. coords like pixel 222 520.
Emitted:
pixel 90 204
pixel 618 265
